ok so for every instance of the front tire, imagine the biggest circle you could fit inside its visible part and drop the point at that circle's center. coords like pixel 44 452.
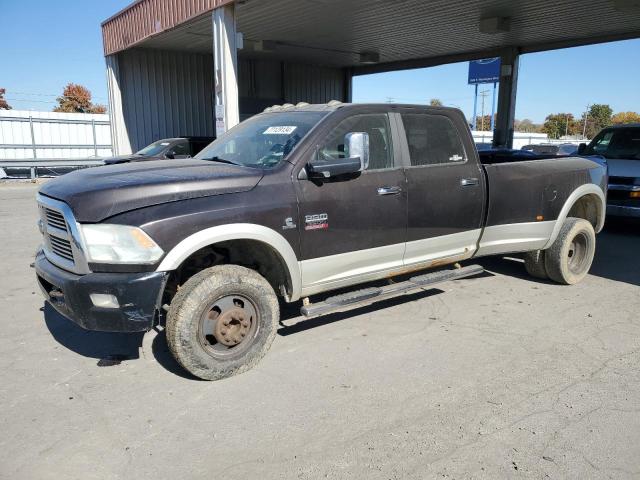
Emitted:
pixel 569 258
pixel 222 321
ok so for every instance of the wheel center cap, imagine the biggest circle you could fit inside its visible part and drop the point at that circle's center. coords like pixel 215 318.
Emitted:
pixel 232 327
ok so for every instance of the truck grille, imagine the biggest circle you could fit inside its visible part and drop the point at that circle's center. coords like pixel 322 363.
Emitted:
pixel 62 243
pixel 61 247
pixel 621 180
pixel 55 219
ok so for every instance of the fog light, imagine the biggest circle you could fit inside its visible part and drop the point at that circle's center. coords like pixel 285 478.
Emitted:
pixel 634 194
pixel 104 300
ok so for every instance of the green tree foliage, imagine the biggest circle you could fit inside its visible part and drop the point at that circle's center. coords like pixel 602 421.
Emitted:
pixel 625 117
pixel 527 126
pixel 3 103
pixel 557 125
pixel 598 117
pixel 435 102
pixel 77 99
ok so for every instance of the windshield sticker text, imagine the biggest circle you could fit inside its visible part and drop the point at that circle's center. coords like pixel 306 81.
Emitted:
pixel 282 130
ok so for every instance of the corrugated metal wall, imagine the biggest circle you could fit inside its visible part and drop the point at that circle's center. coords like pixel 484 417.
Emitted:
pixel 165 94
pixel 55 135
pixel 313 84
pixel 263 83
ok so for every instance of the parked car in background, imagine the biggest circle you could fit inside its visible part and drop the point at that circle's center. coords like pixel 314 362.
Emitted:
pixel 558 149
pixel 620 146
pixel 166 149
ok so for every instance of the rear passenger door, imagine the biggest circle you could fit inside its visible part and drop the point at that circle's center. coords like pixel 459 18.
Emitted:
pixel 445 184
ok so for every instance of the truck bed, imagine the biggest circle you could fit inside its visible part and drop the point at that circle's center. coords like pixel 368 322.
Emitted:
pixel 530 189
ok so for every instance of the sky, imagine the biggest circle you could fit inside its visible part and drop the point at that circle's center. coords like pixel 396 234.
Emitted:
pixel 46 44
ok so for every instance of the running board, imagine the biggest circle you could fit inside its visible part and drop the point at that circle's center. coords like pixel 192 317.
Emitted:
pixel 376 294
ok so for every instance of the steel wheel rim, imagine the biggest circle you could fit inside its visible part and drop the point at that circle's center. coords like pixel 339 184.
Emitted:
pixel 577 254
pixel 221 326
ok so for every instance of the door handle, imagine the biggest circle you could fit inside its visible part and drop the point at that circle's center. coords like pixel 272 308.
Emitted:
pixel 389 190
pixel 467 182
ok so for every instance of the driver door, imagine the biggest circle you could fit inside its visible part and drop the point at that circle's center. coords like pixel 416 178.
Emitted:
pixel 353 229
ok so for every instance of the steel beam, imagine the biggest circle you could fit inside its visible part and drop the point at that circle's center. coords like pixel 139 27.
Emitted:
pixel 503 132
pixel 225 61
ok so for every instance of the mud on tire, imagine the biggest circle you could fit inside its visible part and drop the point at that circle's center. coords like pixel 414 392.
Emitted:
pixel 222 321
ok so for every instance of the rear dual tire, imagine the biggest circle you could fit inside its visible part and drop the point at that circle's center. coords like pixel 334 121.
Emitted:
pixel 569 258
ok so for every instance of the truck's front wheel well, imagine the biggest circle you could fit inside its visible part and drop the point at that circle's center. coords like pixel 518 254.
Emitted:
pixel 252 254
pixel 588 207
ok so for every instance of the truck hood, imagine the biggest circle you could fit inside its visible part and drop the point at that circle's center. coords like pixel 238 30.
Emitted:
pixel 101 192
pixel 624 168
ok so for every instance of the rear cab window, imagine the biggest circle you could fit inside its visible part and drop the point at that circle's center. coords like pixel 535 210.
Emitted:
pixel 432 140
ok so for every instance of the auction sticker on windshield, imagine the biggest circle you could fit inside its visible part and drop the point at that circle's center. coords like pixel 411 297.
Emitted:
pixel 279 130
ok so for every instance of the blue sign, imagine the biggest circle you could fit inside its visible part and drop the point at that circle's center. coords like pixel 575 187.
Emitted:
pixel 484 71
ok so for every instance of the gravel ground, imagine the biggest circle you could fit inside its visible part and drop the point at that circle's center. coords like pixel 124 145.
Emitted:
pixel 497 376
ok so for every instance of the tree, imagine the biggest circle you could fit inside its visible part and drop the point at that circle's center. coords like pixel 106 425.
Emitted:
pixel 3 103
pixel 557 125
pixel 527 126
pixel 483 124
pixel 435 102
pixel 77 99
pixel 625 117
pixel 598 117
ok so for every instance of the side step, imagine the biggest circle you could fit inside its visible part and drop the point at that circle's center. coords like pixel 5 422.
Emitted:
pixel 376 294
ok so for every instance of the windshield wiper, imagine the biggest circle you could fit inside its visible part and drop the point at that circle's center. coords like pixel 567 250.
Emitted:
pixel 222 160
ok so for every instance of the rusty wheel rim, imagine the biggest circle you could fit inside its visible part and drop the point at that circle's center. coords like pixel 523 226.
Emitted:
pixel 228 326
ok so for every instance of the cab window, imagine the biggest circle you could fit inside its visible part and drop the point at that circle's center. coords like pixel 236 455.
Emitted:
pixel 432 140
pixel 179 150
pixel 380 148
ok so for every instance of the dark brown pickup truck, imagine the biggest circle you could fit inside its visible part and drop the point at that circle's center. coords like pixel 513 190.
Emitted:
pixel 294 202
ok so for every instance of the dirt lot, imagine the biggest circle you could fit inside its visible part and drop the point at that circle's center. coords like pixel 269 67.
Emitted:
pixel 491 377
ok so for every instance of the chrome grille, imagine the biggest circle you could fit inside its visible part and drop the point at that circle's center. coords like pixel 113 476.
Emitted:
pixel 55 219
pixel 62 247
pixel 62 240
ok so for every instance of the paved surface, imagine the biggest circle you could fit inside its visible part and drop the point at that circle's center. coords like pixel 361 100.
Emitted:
pixel 492 377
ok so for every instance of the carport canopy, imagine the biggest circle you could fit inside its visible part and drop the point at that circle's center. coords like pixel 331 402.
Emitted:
pixel 303 50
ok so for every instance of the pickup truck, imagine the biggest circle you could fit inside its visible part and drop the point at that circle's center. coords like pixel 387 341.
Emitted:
pixel 294 202
pixel 619 145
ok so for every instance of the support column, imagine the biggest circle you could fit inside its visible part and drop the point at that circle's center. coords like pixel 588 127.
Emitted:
pixel 225 62
pixel 120 144
pixel 503 133
pixel 348 85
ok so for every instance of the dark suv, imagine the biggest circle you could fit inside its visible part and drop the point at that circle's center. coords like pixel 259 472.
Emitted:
pixel 165 149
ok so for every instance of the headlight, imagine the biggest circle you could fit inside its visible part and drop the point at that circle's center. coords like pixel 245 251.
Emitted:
pixel 119 244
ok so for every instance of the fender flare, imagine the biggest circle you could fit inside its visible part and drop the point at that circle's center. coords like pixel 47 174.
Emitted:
pixel 581 191
pixel 236 231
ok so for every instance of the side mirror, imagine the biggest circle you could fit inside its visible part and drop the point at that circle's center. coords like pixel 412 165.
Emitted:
pixel 582 148
pixel 170 156
pixel 357 151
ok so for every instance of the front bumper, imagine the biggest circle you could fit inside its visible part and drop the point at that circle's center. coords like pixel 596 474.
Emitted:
pixel 623 211
pixel 139 296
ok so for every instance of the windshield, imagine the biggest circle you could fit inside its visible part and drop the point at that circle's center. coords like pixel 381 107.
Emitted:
pixel 154 149
pixel 616 143
pixel 262 141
